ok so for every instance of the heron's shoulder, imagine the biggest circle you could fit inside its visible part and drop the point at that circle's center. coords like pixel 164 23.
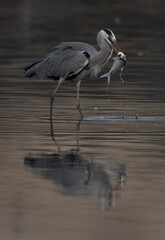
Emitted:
pixel 80 46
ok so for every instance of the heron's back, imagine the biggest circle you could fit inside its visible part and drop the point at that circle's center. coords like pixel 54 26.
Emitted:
pixel 69 61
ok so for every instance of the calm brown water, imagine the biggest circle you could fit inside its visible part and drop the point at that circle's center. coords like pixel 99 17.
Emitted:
pixel 98 178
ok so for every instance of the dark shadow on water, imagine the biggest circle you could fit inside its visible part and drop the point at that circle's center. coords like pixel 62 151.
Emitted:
pixel 74 174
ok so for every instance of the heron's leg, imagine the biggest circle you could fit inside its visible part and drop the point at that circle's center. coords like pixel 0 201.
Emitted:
pixel 53 95
pixel 77 133
pixel 78 101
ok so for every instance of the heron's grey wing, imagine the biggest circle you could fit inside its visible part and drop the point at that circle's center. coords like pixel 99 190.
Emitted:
pixel 62 63
pixel 78 46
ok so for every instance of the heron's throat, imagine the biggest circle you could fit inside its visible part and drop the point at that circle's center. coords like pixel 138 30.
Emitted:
pixel 105 52
pixel 100 58
pixel 108 52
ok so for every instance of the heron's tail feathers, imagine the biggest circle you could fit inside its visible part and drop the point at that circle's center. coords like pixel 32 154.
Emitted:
pixel 30 70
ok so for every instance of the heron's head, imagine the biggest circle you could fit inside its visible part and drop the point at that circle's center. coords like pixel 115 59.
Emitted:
pixel 109 36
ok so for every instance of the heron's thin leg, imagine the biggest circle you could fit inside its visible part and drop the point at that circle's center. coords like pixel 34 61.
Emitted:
pixel 53 136
pixel 77 133
pixel 78 102
pixel 53 95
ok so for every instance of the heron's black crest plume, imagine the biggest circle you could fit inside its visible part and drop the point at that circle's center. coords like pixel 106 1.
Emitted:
pixel 108 32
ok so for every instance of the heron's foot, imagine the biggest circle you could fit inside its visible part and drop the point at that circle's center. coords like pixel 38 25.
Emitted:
pixel 79 109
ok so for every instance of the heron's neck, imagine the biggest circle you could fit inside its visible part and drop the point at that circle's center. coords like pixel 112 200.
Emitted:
pixel 101 57
pixel 104 54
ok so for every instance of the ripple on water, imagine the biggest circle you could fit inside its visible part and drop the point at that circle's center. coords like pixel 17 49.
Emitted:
pixel 125 118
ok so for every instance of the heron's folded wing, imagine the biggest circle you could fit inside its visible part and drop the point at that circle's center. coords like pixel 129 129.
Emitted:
pixel 62 63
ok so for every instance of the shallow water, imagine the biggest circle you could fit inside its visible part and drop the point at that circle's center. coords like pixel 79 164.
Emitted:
pixel 99 178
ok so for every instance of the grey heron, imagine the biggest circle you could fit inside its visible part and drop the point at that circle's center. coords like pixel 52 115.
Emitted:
pixel 72 61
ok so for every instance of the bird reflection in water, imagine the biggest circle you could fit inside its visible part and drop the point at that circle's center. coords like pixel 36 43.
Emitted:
pixel 77 175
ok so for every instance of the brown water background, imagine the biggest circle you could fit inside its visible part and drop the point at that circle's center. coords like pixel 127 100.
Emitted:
pixel 96 179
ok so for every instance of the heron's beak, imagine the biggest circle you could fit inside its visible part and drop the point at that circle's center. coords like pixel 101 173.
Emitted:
pixel 115 47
